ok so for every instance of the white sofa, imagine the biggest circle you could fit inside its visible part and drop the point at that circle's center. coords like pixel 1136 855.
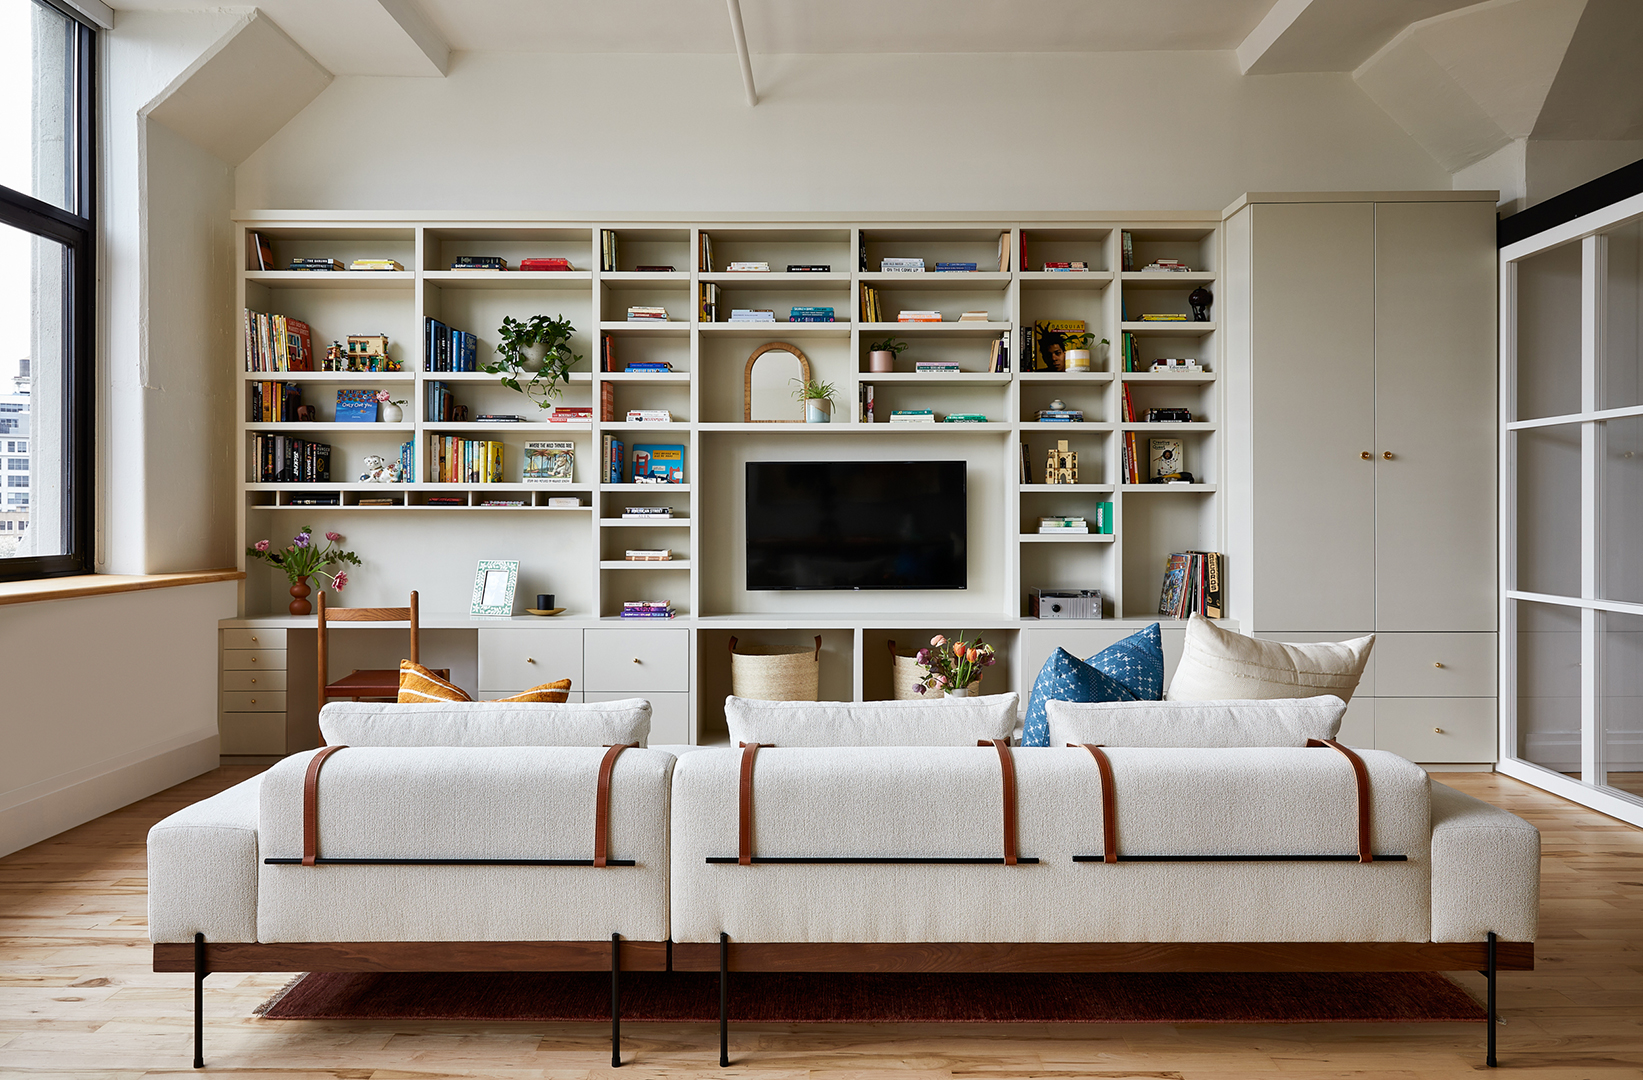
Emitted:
pixel 880 857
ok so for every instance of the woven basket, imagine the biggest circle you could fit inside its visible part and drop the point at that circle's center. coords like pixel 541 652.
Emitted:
pixel 775 672
pixel 905 674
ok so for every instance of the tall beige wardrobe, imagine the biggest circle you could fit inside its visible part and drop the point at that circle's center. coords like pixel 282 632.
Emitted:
pixel 1360 371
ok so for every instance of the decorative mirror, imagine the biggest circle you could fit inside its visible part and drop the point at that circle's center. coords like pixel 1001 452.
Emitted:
pixel 767 387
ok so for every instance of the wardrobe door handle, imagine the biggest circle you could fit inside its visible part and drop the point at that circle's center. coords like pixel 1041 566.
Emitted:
pixel 1387 454
pixel 1367 456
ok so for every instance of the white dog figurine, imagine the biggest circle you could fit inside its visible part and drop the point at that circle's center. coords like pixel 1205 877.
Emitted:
pixel 379 471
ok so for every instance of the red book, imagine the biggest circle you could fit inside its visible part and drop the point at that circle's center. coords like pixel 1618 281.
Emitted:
pixel 550 265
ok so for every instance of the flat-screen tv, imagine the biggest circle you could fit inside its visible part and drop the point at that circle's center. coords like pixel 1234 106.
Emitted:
pixel 855 525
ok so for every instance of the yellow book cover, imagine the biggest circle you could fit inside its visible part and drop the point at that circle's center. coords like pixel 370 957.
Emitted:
pixel 1050 342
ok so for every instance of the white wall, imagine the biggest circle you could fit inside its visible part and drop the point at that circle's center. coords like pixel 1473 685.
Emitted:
pixel 996 132
pixel 108 699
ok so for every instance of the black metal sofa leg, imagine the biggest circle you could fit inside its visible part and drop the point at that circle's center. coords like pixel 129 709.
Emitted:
pixel 724 1000
pixel 200 973
pixel 1489 1058
pixel 616 1001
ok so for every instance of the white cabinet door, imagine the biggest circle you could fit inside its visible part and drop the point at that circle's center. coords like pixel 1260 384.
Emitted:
pixel 1436 730
pixel 1435 407
pixel 1313 358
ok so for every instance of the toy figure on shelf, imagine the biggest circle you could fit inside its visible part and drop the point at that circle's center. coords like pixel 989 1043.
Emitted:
pixel 1061 467
pixel 1200 299
pixel 380 471
pixel 369 352
pixel 335 358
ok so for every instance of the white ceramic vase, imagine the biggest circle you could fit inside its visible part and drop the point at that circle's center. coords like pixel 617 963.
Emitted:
pixel 389 413
pixel 532 356
pixel 1078 359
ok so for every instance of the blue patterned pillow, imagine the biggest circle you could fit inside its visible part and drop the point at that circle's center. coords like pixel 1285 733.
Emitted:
pixel 1128 670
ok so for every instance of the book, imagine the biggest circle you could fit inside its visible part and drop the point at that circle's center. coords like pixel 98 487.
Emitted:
pixel 571 414
pixel 1163 318
pixel 870 310
pixel 901 266
pixel 499 418
pixel 607 402
pixel 479 262
pixel 654 269
pixel 262 252
pixel 747 315
pixel 641 312
pixel 973 316
pixel 864 403
pixel 550 463
pixel 375 264
pixel 1004 252
pixel 356 407
pixel 659 461
pixel 611 460
pixel 642 513
pixel 955 267
pixel 1127 244
pixel 809 314
pixel 607 251
pixel 649 416
pixel 648 554
pixel 1050 342
pixel 1167 459
pixel 317 264
pixel 964 418
pixel 707 302
pixel 747 267
pixel 918 316
pixel 649 367
pixel 564 502
pixel 704 252
pixel 938 367
pixel 552 266
pixel 809 268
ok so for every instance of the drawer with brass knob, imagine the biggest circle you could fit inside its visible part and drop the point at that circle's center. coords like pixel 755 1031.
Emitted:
pixel 253 660
pixel 638 660
pixel 259 638
pixel 513 659
pixel 253 701
pixel 1435 665
pixel 254 679
pixel 1437 730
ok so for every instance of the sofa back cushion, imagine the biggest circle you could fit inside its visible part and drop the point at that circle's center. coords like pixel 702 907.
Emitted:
pixel 485 723
pixel 1218 664
pixel 941 722
pixel 1286 722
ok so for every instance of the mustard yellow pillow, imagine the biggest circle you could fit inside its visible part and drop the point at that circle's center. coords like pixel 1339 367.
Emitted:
pixel 557 692
pixel 418 684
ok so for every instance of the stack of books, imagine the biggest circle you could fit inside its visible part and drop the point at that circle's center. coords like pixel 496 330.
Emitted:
pixel 936 367
pixel 317 264
pixel 810 314
pixel 274 403
pixel 465 461
pixel 1179 364
pixel 973 316
pixel 645 313
pixel 901 266
pixel 748 267
pixel 918 316
pixel 647 609
pixel 1163 318
pixel 1061 416
pixel 608 255
pixel 479 262
pixel 998 359
pixel 913 416
pixel 499 418
pixel 870 309
pixel 1056 525
pixel 279 459
pixel 741 315
pixel 375 264
pixel 864 402
pixel 545 266
pixel 1066 267
pixel 648 367
pixel 809 268
pixel 445 348
pixel 571 414
pixel 649 555
pixel 650 416
pixel 1192 582
pixel 647 513
pixel 964 418
pixel 277 343
pixel 707 302
pixel 1166 266
pixel 503 502
pixel 955 267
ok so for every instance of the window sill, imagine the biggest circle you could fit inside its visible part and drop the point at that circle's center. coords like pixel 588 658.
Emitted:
pixel 65 588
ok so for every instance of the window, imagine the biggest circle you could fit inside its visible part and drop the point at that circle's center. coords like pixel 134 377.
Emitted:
pixel 46 279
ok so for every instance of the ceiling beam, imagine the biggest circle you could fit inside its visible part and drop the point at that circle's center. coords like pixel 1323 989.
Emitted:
pixel 421 31
pixel 740 35
pixel 1279 18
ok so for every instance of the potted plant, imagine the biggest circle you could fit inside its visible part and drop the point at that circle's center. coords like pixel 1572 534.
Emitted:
pixel 817 398
pixel 1078 351
pixel 881 355
pixel 302 559
pixel 953 667
pixel 390 410
pixel 539 347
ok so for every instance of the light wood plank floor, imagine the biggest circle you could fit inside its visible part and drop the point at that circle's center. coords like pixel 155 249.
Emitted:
pixel 77 997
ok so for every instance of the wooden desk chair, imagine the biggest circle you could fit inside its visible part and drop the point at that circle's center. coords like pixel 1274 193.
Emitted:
pixel 372 683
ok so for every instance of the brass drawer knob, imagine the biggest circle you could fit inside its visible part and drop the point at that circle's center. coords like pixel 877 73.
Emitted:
pixel 253 701
pixel 1437 663
pixel 1437 731
pixel 253 659
pixel 1387 455
pixel 636 660
pixel 253 638
pixel 1367 456
pixel 253 682
pixel 530 659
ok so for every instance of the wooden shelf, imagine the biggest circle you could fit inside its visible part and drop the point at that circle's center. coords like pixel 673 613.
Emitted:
pixel 1056 489
pixel 1168 329
pixel 778 329
pixel 486 377
pixel 321 426
pixel 576 280
pixel 1184 378
pixel 332 279
pixel 663 489
pixel 977 280
pixel 480 426
pixel 946 326
pixel 644 564
pixel 646 326
pixel 1067 538
pixel 657 377
pixel 759 280
pixel 1094 280
pixel 1179 489
pixel 1165 429
pixel 675 426
pixel 1141 280
pixel 330 376
pixel 1076 427
pixel 630 523
pixel 1065 376
pixel 934 378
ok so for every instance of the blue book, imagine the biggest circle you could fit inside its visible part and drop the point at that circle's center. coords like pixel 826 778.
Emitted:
pixel 356 407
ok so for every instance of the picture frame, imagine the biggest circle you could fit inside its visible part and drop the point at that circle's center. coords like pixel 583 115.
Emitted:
pixel 494 584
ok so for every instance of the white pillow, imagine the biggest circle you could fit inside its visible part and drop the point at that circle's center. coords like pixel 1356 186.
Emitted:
pixel 941 722
pixel 485 723
pixel 1217 665
pixel 1288 722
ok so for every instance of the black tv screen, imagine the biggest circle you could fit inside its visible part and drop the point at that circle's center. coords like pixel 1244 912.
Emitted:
pixel 855 525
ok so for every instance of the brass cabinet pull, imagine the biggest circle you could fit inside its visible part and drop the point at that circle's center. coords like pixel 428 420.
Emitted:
pixel 1437 731
pixel 1437 663
pixel 530 659
pixel 636 660
pixel 1367 456
pixel 1387 454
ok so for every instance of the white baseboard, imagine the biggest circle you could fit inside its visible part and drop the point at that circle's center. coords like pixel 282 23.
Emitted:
pixel 42 810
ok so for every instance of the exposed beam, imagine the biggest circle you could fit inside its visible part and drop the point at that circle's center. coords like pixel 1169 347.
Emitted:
pixel 1278 19
pixel 740 35
pixel 421 31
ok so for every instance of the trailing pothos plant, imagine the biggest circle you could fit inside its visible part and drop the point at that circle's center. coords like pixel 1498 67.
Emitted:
pixel 534 356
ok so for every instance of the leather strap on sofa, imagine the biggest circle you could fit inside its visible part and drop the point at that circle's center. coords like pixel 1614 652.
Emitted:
pixel 601 805
pixel 1360 773
pixel 744 823
pixel 310 804
pixel 1109 803
pixel 1006 765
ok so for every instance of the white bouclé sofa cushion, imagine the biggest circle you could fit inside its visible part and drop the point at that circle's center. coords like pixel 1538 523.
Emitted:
pixel 202 869
pixel 485 723
pixel 941 722
pixel 1283 722
pixel 1218 664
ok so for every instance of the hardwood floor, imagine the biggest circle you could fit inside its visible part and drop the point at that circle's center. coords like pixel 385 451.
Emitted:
pixel 77 997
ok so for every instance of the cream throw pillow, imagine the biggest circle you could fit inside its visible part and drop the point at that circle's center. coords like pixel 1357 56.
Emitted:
pixel 1218 665
pixel 938 722
pixel 1290 722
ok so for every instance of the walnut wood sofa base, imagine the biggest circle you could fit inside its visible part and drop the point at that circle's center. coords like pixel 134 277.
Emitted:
pixel 203 957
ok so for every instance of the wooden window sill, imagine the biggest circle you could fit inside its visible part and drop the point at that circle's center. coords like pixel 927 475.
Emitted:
pixel 64 588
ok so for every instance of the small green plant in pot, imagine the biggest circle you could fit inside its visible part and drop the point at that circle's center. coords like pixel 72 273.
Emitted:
pixel 818 400
pixel 881 355
pixel 538 347
pixel 1078 351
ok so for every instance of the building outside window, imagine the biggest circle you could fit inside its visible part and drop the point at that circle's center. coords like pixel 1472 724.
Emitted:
pixel 46 276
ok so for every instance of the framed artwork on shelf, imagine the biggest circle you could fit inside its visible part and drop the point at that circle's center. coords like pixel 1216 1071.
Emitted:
pixel 494 583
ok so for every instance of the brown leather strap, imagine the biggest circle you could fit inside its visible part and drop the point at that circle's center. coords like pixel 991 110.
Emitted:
pixel 744 838
pixel 310 804
pixel 1360 773
pixel 601 804
pixel 1006 766
pixel 1109 803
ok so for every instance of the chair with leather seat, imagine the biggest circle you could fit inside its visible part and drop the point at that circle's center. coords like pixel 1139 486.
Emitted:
pixel 367 683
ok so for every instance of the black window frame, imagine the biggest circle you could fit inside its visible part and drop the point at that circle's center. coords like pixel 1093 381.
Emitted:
pixel 76 230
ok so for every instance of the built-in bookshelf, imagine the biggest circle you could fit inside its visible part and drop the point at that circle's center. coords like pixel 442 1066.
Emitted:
pixel 422 534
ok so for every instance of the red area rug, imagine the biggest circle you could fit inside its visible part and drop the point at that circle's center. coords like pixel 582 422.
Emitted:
pixel 757 997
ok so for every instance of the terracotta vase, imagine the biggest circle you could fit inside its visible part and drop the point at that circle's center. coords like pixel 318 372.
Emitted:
pixel 300 590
